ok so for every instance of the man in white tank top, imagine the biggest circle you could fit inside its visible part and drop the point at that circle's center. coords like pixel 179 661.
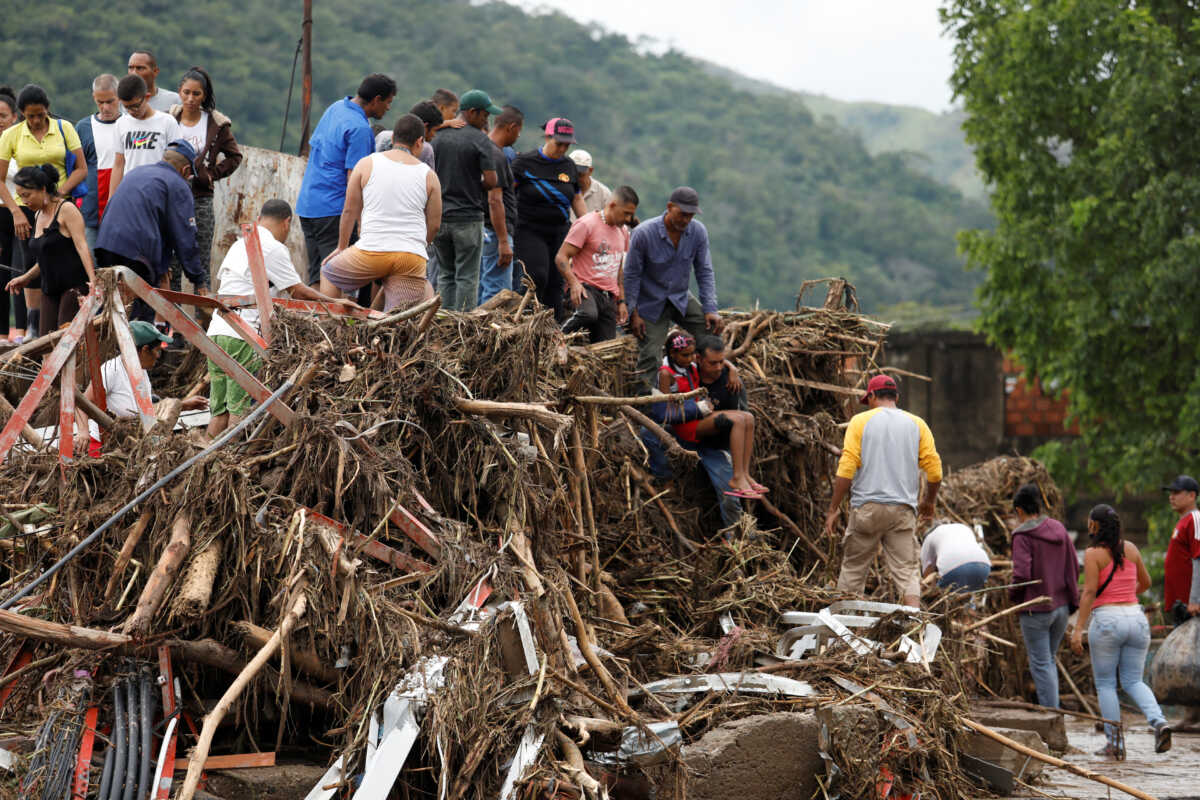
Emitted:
pixel 396 200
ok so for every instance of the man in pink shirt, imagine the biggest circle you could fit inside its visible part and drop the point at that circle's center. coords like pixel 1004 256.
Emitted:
pixel 591 261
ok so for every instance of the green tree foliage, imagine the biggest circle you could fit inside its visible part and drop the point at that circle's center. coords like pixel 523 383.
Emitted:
pixel 786 196
pixel 1083 119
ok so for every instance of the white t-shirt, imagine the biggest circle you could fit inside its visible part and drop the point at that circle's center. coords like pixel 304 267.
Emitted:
pixel 118 393
pixel 143 141
pixel 950 546
pixel 195 135
pixel 107 142
pixel 233 278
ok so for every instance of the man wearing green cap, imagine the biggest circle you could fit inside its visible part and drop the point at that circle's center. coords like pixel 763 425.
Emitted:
pixel 118 390
pixel 463 158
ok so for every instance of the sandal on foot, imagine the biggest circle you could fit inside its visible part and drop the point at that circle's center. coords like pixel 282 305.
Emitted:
pixel 744 494
pixel 758 487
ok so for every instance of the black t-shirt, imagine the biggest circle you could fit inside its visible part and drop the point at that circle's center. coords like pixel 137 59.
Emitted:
pixel 504 180
pixel 545 188
pixel 723 399
pixel 461 156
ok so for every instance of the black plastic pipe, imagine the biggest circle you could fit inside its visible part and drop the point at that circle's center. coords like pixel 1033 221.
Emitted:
pixel 106 773
pixel 133 721
pixel 119 736
pixel 147 731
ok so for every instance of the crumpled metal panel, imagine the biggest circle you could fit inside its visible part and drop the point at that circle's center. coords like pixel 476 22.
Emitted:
pixel 263 175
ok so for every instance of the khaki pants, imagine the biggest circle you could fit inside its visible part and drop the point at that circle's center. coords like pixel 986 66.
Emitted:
pixel 893 526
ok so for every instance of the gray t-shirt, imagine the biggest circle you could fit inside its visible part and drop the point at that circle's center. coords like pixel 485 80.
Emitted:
pixel 163 99
pixel 463 154
pixel 383 143
pixel 504 180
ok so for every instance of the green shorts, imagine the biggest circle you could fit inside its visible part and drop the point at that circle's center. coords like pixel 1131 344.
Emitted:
pixel 224 393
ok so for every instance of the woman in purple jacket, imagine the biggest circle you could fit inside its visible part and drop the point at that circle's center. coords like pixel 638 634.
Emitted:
pixel 1044 559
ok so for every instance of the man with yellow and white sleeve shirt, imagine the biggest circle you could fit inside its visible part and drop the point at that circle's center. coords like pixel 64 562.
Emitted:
pixel 885 451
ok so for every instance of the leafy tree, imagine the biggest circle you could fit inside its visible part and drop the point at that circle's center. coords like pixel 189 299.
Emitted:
pixel 1083 118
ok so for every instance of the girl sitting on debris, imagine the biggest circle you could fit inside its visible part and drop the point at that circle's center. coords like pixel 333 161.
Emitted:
pixel 1118 633
pixel 724 430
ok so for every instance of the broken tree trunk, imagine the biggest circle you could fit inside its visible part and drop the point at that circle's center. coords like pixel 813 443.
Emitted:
pixel 66 635
pixel 214 654
pixel 305 660
pixel 211 721
pixel 674 450
pixel 195 589
pixel 532 411
pixel 165 571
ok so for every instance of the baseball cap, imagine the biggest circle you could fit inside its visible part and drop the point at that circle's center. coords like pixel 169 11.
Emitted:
pixel 144 333
pixel 687 199
pixel 184 148
pixel 562 129
pixel 582 158
pixel 1183 483
pixel 478 100
pixel 877 383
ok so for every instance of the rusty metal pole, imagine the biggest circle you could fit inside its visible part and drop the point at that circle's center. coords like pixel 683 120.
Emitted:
pixel 306 112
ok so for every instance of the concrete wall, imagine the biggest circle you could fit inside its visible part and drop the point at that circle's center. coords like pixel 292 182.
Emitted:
pixel 263 175
pixel 964 404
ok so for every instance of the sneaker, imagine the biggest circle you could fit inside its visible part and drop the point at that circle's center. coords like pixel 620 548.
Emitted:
pixel 1111 751
pixel 1162 738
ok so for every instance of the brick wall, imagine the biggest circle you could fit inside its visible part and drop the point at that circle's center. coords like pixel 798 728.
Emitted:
pixel 1029 411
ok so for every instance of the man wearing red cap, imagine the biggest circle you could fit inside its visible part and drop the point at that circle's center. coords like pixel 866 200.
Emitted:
pixel 884 452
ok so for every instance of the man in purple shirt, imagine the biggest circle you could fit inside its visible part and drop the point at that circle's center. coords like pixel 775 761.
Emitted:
pixel 663 252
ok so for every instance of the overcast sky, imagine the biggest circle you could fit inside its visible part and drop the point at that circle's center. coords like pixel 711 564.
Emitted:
pixel 891 51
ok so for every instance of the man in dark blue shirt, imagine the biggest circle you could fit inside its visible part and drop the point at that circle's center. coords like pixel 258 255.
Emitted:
pixel 663 253
pixel 149 216
pixel 341 139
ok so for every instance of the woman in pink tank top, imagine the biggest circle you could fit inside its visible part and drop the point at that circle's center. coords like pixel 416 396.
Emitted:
pixel 1118 633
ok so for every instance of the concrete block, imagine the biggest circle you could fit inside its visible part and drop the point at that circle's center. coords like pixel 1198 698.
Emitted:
pixel 774 756
pixel 981 746
pixel 1046 724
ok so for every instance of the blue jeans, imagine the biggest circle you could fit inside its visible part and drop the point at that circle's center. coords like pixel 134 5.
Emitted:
pixel 1043 633
pixel 969 577
pixel 717 465
pixel 1119 637
pixel 491 277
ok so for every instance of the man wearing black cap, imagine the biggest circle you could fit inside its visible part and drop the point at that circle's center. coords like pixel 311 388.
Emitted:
pixel 463 157
pixel 1181 568
pixel 149 216
pixel 663 253
pixel 883 454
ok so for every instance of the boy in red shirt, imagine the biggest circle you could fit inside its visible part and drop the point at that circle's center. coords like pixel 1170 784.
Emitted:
pixel 1181 582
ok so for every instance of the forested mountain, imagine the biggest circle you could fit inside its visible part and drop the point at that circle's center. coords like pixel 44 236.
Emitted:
pixel 787 195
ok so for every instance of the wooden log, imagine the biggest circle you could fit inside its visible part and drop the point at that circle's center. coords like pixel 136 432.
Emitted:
pixel 94 411
pixel 29 434
pixel 65 635
pixel 305 660
pixel 160 579
pixel 131 540
pixel 212 720
pixel 674 450
pixel 1034 602
pixel 195 588
pixel 640 400
pixel 584 640
pixel 531 411
pixel 408 313
pixel 211 653
pixel 1052 761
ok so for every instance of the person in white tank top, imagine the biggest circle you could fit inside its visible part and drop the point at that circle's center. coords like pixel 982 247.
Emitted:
pixel 396 201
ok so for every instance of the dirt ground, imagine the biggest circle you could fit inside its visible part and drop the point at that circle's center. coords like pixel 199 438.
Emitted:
pixel 1170 776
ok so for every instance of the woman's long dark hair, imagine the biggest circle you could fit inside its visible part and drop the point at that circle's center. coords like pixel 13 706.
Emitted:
pixel 199 75
pixel 42 176
pixel 1108 533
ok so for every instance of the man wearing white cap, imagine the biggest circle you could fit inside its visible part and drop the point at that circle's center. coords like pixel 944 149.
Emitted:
pixel 595 193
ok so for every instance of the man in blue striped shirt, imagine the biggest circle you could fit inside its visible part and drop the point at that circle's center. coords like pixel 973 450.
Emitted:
pixel 663 253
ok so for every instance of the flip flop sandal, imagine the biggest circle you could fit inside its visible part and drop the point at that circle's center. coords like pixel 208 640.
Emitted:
pixel 758 487
pixel 744 494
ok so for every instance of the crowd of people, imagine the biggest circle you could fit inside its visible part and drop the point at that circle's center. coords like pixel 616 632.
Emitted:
pixel 443 203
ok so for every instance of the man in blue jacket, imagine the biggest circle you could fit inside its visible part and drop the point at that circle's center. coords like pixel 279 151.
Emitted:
pixel 149 216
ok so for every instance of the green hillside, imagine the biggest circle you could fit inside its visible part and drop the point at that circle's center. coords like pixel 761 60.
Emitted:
pixel 787 195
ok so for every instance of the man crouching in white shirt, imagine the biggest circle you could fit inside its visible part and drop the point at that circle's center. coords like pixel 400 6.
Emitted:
pixel 228 401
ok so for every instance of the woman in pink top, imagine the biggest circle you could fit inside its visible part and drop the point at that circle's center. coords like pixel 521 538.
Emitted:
pixel 1118 633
